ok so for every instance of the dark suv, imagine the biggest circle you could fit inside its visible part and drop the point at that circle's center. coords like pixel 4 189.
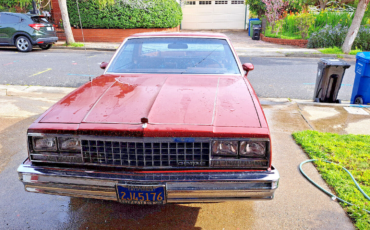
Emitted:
pixel 26 30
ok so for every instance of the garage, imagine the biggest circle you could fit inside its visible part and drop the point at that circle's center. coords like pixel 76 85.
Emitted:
pixel 211 15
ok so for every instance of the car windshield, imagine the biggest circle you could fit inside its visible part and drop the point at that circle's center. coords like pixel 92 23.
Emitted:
pixel 175 56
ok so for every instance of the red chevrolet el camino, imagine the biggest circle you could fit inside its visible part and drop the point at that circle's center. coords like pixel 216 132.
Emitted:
pixel 173 119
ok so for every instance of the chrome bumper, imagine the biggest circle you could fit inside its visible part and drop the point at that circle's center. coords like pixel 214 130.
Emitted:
pixel 180 187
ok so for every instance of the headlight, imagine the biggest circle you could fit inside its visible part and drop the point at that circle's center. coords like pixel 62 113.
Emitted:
pixel 252 148
pixel 44 143
pixel 55 148
pixel 225 148
pixel 69 143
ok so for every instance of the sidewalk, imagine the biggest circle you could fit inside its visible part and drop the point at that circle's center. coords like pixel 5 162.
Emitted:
pixel 297 203
pixel 243 44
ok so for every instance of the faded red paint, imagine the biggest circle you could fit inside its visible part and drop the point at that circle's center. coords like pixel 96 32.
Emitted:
pixel 176 106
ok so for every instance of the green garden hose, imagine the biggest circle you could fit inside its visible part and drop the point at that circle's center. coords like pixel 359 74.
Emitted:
pixel 328 193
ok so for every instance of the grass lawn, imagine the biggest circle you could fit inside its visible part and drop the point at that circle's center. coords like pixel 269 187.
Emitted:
pixel 284 35
pixel 351 152
pixel 76 44
pixel 337 50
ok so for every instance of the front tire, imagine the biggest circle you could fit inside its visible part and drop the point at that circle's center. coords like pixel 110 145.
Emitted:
pixel 23 44
pixel 46 46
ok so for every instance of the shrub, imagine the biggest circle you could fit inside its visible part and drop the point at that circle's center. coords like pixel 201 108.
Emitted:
pixel 304 21
pixel 158 14
pixel 334 36
pixel 9 5
pixel 274 11
pixel 291 21
pixel 256 7
pixel 331 18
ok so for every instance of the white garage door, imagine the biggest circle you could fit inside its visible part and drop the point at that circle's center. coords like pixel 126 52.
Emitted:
pixel 226 14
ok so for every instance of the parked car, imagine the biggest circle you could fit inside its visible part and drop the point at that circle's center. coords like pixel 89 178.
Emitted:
pixel 25 31
pixel 173 119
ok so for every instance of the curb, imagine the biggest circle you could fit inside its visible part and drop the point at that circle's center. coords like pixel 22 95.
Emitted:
pixel 345 56
pixel 83 48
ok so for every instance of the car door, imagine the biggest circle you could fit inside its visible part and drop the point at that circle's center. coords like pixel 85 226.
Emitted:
pixel 8 26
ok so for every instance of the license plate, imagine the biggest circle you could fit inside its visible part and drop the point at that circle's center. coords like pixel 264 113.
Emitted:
pixel 140 194
pixel 49 28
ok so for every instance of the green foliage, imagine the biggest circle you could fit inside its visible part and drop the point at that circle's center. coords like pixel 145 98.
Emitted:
pixel 76 44
pixel 366 18
pixel 256 7
pixel 304 21
pixel 292 21
pixel 295 6
pixel 158 14
pixel 351 152
pixel 334 36
pixel 337 50
pixel 332 18
pixel 280 35
pixel 9 5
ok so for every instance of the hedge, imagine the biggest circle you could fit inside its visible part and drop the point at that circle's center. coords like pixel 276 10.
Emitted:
pixel 160 14
pixel 9 5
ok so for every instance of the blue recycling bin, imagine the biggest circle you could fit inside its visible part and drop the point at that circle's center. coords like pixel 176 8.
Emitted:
pixel 250 28
pixel 361 86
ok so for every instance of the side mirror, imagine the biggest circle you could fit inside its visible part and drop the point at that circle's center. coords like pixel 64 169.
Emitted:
pixel 103 65
pixel 248 67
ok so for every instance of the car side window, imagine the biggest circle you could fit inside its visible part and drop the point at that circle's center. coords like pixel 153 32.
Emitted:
pixel 8 19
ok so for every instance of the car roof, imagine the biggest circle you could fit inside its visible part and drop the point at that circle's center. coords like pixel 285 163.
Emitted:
pixel 20 14
pixel 180 34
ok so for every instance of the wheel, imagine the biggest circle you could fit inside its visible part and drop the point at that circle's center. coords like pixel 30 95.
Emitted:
pixel 359 100
pixel 23 44
pixel 46 46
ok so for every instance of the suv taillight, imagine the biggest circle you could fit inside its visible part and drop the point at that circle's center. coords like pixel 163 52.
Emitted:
pixel 36 26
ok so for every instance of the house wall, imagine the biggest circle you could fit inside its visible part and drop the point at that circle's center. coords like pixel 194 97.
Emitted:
pixel 55 11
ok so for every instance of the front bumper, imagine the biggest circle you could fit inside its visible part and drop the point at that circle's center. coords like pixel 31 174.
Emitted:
pixel 181 187
pixel 47 40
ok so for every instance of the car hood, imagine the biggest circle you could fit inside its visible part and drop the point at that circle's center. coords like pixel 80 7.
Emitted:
pixel 206 100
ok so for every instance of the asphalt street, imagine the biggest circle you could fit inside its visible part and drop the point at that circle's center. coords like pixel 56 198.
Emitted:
pixel 272 77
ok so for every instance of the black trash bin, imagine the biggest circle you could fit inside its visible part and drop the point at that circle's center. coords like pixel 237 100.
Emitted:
pixel 256 32
pixel 329 79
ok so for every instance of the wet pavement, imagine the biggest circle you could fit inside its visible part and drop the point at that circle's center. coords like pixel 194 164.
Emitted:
pixel 297 203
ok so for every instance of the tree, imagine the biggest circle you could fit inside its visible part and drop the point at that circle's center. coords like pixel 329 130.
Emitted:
pixel 323 4
pixel 355 26
pixel 257 7
pixel 66 24
pixel 274 11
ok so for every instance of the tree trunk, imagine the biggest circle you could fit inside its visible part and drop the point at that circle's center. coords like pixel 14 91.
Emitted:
pixel 322 4
pixel 355 26
pixel 66 24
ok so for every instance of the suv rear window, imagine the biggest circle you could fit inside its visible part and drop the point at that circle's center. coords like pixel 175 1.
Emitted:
pixel 7 18
pixel 39 20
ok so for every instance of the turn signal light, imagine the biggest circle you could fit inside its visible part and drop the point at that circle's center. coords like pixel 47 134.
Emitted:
pixel 36 26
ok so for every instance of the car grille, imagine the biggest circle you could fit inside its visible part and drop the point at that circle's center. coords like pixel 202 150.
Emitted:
pixel 148 154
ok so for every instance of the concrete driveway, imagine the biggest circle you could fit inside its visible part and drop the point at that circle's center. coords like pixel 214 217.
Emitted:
pixel 297 203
